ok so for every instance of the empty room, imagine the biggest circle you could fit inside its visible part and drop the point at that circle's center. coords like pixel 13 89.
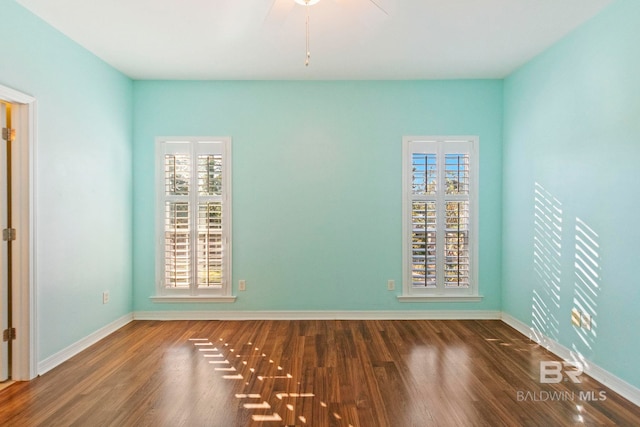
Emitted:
pixel 319 213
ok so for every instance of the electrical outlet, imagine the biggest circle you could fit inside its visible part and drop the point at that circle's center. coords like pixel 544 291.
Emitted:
pixel 586 321
pixel 575 317
pixel 242 285
pixel 105 297
pixel 391 285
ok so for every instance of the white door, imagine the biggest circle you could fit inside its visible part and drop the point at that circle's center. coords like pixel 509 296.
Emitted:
pixel 4 286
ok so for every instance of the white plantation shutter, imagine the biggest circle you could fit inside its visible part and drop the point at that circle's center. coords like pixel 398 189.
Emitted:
pixel 194 195
pixel 439 190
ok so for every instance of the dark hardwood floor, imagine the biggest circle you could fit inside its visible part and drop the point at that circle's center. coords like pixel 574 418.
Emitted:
pixel 311 373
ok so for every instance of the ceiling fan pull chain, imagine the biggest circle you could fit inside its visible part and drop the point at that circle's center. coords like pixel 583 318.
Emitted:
pixel 306 62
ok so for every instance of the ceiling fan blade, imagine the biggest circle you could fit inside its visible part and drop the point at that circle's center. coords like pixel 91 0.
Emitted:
pixel 377 4
pixel 279 12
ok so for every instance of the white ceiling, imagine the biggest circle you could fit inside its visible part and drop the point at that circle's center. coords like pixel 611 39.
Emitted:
pixel 350 39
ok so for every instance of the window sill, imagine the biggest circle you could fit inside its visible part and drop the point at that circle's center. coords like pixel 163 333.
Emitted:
pixel 440 298
pixel 189 298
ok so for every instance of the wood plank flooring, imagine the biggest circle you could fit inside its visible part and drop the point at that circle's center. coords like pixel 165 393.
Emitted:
pixel 311 373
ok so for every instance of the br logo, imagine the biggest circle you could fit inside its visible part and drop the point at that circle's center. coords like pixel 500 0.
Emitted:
pixel 552 372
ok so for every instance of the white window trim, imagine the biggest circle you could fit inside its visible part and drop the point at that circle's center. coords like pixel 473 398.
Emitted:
pixel 222 294
pixel 409 293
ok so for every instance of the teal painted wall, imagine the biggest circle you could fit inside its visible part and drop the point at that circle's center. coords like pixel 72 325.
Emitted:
pixel 84 179
pixel 571 144
pixel 317 183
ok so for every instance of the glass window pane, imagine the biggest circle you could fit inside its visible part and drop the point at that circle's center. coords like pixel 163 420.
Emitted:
pixel 177 174
pixel 424 174
pixel 210 175
pixel 456 173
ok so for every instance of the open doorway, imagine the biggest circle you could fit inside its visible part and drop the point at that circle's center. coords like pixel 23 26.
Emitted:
pixel 17 306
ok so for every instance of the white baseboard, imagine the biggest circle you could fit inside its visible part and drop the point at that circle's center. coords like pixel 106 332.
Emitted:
pixel 63 355
pixel 317 315
pixel 599 374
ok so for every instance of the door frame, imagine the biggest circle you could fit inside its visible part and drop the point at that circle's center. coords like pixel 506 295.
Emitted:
pixel 24 299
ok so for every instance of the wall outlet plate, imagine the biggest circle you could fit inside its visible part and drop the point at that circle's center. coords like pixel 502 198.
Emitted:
pixel 391 285
pixel 105 297
pixel 242 285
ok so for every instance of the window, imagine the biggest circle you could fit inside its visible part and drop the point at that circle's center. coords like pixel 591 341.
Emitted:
pixel 193 219
pixel 440 181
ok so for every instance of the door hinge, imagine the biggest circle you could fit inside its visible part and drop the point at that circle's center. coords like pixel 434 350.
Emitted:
pixel 8 134
pixel 9 334
pixel 9 234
